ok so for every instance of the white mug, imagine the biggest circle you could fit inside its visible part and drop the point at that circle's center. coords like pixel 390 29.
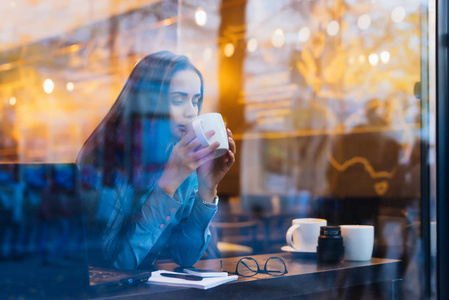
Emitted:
pixel 211 121
pixel 303 234
pixel 358 241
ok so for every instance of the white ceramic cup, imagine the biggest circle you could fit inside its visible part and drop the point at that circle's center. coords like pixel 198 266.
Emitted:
pixel 358 241
pixel 303 234
pixel 211 121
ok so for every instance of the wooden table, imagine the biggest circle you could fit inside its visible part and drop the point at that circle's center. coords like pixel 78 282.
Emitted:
pixel 305 276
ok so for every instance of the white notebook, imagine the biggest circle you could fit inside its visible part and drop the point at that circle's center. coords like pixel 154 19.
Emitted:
pixel 204 284
pixel 205 272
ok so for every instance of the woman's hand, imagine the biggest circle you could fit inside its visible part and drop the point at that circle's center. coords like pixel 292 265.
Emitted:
pixel 185 158
pixel 212 172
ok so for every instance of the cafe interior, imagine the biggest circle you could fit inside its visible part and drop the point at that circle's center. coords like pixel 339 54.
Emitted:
pixel 332 106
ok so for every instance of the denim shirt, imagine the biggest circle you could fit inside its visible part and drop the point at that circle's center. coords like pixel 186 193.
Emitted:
pixel 182 222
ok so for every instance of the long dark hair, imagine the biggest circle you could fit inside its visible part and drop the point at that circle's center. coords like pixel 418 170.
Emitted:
pixel 111 148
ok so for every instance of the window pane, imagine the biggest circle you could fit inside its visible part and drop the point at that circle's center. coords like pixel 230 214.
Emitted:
pixel 331 104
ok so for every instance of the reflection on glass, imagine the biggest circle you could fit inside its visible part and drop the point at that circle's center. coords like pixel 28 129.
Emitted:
pixel 200 16
pixel 158 179
pixel 324 99
pixel 41 232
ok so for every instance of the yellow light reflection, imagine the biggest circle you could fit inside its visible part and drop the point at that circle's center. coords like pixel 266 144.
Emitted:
pixel 398 14
pixel 373 59
pixel 364 21
pixel 366 164
pixel 167 22
pixel 304 34
pixel 229 49
pixel 277 39
pixel 74 48
pixel 200 16
pixel 48 86
pixel 361 58
pixel 385 56
pixel 12 100
pixel 333 28
pixel 70 86
pixel 252 45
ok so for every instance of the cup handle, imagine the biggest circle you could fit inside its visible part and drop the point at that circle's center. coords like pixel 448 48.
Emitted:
pixel 197 126
pixel 289 235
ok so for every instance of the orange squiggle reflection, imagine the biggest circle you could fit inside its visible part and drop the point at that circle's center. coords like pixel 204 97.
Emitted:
pixel 364 162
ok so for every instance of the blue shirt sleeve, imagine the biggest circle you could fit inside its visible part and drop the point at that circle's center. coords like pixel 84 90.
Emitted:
pixel 192 236
pixel 158 222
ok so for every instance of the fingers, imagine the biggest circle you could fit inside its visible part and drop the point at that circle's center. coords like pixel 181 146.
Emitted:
pixel 198 154
pixel 230 159
pixel 232 146
pixel 191 153
pixel 206 151
pixel 195 143
pixel 188 137
pixel 229 132
pixel 206 158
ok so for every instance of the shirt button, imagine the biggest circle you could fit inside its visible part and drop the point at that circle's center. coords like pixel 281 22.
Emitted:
pixel 173 209
pixel 161 226
pixel 167 218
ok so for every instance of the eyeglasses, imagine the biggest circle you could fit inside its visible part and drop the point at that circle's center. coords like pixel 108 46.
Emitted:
pixel 248 266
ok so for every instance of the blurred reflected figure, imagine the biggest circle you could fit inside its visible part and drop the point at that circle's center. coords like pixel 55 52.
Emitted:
pixel 146 175
pixel 365 160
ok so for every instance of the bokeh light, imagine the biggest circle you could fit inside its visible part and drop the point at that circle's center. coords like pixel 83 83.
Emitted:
pixel 277 39
pixel 304 34
pixel 70 86
pixel 252 45
pixel 333 28
pixel 364 21
pixel 373 59
pixel 200 16
pixel 398 14
pixel 48 86
pixel 361 58
pixel 229 49
pixel 385 56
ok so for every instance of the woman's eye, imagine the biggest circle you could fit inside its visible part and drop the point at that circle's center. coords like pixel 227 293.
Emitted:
pixel 176 101
pixel 195 103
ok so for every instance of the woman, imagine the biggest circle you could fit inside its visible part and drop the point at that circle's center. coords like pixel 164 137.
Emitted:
pixel 163 182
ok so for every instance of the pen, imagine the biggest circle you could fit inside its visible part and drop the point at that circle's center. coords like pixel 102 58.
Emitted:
pixel 182 276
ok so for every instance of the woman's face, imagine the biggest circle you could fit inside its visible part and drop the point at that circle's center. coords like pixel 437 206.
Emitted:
pixel 184 93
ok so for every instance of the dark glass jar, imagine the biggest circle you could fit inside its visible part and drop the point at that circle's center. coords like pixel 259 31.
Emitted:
pixel 330 247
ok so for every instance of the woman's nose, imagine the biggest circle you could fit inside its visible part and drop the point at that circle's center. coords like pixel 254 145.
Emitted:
pixel 190 111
